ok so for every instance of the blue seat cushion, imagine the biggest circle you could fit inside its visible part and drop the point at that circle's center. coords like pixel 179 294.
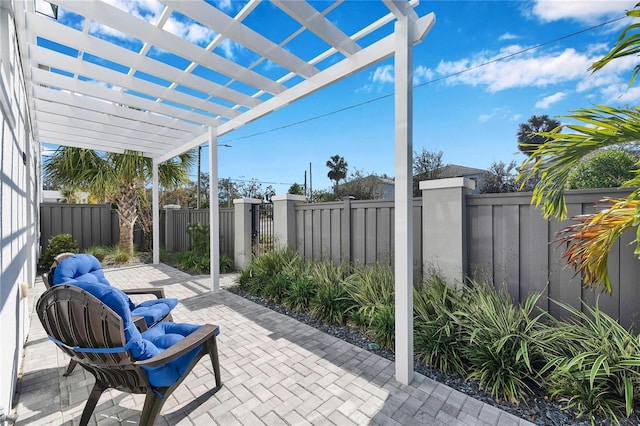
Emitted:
pixel 164 335
pixel 154 310
pixel 150 343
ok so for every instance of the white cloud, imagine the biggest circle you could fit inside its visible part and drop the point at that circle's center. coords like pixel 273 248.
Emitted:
pixel 507 36
pixel 588 11
pixel 229 48
pixel 524 70
pixel 189 30
pixel 422 74
pixel 502 113
pixel 483 118
pixel 621 93
pixel 383 74
pixel 547 101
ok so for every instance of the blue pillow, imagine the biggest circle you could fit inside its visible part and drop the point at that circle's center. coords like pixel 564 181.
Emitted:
pixel 81 267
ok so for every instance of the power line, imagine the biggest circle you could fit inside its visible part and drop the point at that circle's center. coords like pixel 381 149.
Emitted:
pixel 435 80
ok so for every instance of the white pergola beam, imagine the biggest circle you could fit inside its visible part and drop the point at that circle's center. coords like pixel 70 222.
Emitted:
pixel 76 101
pixel 59 33
pixel 121 21
pixel 222 23
pixel 151 132
pixel 366 57
pixel 96 91
pixel 317 23
pixel 143 139
pixel 114 78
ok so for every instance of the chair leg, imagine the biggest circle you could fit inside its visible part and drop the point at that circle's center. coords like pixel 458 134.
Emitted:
pixel 70 367
pixel 212 346
pixel 94 396
pixel 152 405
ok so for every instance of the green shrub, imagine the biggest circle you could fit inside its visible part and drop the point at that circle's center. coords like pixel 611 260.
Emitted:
pixel 57 244
pixel 499 345
pixel 200 240
pixel 226 264
pixel 438 340
pixel 331 302
pixel 193 261
pixel 383 326
pixel 100 252
pixel 372 290
pixel 593 363
pixel 119 256
pixel 301 292
pixel 277 288
pixel 245 277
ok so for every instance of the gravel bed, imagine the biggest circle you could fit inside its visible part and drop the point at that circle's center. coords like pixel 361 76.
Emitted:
pixel 539 410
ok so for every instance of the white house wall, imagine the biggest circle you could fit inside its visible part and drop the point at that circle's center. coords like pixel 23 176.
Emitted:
pixel 18 208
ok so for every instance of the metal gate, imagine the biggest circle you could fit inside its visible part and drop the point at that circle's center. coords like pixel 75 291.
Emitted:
pixel 261 229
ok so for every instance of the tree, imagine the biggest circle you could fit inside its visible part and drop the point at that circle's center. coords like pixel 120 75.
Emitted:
pixel 499 178
pixel 607 168
pixel 589 241
pixel 361 186
pixel 427 164
pixel 296 189
pixel 115 178
pixel 337 170
pixel 530 133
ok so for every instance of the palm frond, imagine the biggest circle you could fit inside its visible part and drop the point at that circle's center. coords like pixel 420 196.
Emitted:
pixel 595 128
pixel 589 241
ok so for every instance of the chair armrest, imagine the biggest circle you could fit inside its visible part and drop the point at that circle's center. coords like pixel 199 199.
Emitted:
pixel 185 345
pixel 157 292
pixel 139 322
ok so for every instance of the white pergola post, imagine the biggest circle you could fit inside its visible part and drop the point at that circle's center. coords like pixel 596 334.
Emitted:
pixel 155 208
pixel 404 198
pixel 214 215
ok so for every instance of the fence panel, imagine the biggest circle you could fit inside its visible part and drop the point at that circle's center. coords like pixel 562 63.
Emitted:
pixel 88 224
pixel 365 235
pixel 97 224
pixel 512 245
pixel 176 222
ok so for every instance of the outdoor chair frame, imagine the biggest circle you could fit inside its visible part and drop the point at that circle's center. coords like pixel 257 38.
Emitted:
pixel 93 335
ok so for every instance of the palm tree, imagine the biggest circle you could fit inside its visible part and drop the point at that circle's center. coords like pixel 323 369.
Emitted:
pixel 115 178
pixel 529 133
pixel 589 241
pixel 338 170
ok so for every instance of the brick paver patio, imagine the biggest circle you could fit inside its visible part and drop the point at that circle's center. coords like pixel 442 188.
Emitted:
pixel 275 370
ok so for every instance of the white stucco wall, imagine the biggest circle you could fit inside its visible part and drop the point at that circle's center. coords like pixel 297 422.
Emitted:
pixel 19 221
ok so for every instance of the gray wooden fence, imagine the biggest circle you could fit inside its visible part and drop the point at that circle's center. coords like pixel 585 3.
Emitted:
pixel 353 231
pixel 88 224
pixel 512 245
pixel 177 220
pixel 97 224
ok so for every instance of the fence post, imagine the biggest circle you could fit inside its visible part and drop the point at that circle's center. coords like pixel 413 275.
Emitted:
pixel 284 219
pixel 169 237
pixel 345 230
pixel 242 231
pixel 444 226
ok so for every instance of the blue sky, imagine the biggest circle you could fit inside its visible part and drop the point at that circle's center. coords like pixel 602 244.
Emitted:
pixel 472 117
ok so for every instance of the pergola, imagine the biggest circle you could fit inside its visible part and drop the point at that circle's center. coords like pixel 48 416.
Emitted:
pixel 110 80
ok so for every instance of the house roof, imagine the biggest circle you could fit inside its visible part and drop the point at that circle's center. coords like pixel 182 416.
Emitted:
pixel 109 79
pixel 454 170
